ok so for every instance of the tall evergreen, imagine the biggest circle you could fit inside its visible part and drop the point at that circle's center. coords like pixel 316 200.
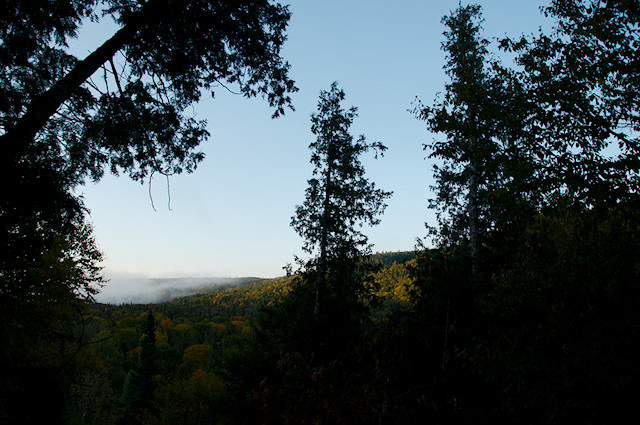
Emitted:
pixel 483 163
pixel 338 202
pixel 465 120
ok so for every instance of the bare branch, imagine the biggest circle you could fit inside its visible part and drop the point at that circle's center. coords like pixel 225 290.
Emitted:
pixel 228 89
pixel 94 86
pixel 167 175
pixel 160 88
pixel 68 117
pixel 168 193
pixel 115 75
pixel 150 195
pixel 106 80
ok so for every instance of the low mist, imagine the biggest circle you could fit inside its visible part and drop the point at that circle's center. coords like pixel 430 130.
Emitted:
pixel 135 289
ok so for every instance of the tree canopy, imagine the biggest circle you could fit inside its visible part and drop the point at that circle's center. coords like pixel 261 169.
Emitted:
pixel 56 119
pixel 551 148
pixel 582 86
pixel 524 312
pixel 122 108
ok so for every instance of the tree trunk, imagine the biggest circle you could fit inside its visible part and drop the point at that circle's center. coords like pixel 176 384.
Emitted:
pixel 473 218
pixel 321 281
pixel 322 262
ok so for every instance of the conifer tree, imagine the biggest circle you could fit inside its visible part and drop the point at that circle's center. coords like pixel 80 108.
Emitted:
pixel 138 392
pixel 339 201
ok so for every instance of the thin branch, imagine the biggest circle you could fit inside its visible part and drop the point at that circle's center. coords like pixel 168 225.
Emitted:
pixel 168 193
pixel 161 89
pixel 228 89
pixel 124 67
pixel 150 195
pixel 158 168
pixel 94 86
pixel 115 75
pixel 98 341
pixel 106 80
pixel 69 117
pixel 82 333
pixel 159 171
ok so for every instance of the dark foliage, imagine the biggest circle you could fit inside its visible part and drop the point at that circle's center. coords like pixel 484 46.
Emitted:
pixel 60 127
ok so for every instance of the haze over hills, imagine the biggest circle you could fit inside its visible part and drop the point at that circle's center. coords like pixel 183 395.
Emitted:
pixel 123 288
pixel 134 289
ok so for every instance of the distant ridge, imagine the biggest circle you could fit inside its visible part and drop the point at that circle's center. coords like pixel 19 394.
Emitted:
pixel 136 290
pixel 185 286
pixel 388 258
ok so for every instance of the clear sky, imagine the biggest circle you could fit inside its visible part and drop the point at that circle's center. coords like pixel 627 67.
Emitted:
pixel 231 217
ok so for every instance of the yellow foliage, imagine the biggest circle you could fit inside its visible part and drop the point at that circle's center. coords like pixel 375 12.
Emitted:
pixel 183 327
pixel 247 332
pixel 220 329
pixel 132 355
pixel 394 283
pixel 161 338
pixel 166 324
pixel 201 355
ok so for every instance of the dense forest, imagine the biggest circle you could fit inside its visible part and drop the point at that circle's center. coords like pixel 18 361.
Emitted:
pixel 520 306
pixel 218 357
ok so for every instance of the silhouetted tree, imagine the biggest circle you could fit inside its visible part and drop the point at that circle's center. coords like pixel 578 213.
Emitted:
pixel 468 116
pixel 338 202
pixel 59 125
pixel 582 82
pixel 138 393
pixel 42 295
pixel 557 211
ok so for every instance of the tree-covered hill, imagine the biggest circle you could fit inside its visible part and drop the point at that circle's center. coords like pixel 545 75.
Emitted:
pixel 240 296
pixel 212 345
pixel 525 311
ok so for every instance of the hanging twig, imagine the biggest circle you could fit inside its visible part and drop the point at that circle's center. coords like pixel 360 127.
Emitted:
pixel 168 189
pixel 150 195
pixel 82 344
pixel 168 193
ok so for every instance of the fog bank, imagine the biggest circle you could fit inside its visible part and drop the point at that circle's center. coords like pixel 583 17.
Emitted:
pixel 129 288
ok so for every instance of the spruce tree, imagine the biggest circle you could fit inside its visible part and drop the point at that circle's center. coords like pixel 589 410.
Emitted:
pixel 339 201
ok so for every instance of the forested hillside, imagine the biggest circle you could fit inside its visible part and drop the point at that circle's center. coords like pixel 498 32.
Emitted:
pixel 519 306
pixel 211 351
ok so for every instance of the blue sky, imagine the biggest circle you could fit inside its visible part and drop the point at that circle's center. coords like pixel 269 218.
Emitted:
pixel 231 217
